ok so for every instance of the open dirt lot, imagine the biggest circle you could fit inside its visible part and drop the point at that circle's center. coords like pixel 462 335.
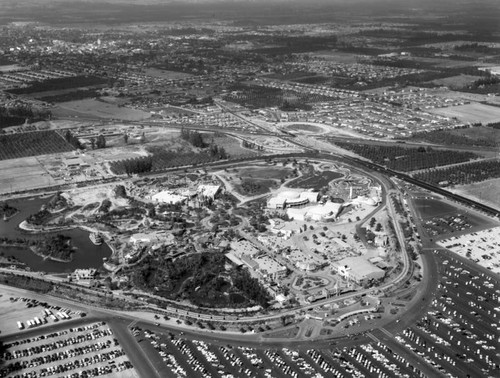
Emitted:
pixel 22 174
pixel 487 192
pixel 473 112
pixel 97 109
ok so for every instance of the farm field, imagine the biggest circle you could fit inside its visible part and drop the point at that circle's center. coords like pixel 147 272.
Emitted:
pixel 14 146
pixel 89 108
pixel 481 132
pixel 456 82
pixel 22 174
pixel 166 74
pixel 471 113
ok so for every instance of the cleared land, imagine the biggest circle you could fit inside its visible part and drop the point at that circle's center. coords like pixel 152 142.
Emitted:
pixel 487 192
pixel 471 113
pixel 97 109
pixel 23 174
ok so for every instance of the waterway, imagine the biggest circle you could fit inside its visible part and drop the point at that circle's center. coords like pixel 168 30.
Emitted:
pixel 87 255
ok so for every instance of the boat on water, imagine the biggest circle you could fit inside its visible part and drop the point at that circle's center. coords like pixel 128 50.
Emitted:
pixel 96 238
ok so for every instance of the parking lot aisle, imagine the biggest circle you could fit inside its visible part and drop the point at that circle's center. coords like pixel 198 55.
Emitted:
pixel 411 357
pixel 276 372
pixel 229 365
pixel 352 355
pixel 178 348
pixel 156 359
pixel 313 358
pixel 292 362
pixel 139 359
pixel 330 356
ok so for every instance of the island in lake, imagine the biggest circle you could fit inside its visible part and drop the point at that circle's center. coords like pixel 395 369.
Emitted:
pixel 56 248
pixel 7 211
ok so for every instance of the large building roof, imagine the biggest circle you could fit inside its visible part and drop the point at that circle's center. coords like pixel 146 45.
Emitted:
pixel 360 267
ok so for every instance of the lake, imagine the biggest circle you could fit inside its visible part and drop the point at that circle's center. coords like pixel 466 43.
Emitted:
pixel 87 255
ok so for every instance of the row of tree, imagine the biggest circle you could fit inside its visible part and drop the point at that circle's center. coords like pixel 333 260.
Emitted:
pixel 407 158
pixel 462 174
pixel 446 137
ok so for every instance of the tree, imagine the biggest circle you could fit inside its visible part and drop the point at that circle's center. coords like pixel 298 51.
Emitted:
pixel 372 222
pixel 92 143
pixel 101 141
pixel 125 138
pixel 378 227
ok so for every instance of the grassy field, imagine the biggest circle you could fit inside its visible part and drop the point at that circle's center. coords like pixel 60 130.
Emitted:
pixel 473 112
pixel 305 127
pixel 315 181
pixel 481 132
pixel 261 173
pixel 456 82
pixel 97 109
pixel 22 174
pixel 487 192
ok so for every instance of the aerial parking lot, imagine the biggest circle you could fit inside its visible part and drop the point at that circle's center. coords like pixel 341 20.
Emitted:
pixel 86 351
pixel 482 247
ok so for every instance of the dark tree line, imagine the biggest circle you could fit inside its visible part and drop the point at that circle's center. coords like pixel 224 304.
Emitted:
pixel 133 166
pixel 193 137
pixel 73 140
pixel 462 174
pixel 447 138
pixel 408 159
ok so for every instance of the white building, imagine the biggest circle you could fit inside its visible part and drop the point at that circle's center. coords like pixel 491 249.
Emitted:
pixel 168 197
pixel 209 191
pixel 358 269
pixel 84 274
pixel 290 198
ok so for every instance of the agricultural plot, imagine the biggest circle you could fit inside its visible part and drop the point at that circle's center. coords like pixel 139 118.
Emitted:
pixel 97 109
pixel 456 82
pixel 254 96
pixel 14 146
pixel 23 174
pixel 471 113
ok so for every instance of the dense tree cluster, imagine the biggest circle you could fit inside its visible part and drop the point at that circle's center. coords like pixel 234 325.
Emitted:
pixel 36 143
pixel 7 210
pixel 448 138
pixel 193 137
pixel 217 152
pixel 19 113
pixel 132 166
pixel 251 145
pixel 56 247
pixel 61 83
pixel 57 202
pixel 39 218
pixel 255 96
pixel 199 278
pixel 252 288
pixel 462 174
pixel 406 158
pixel 71 139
